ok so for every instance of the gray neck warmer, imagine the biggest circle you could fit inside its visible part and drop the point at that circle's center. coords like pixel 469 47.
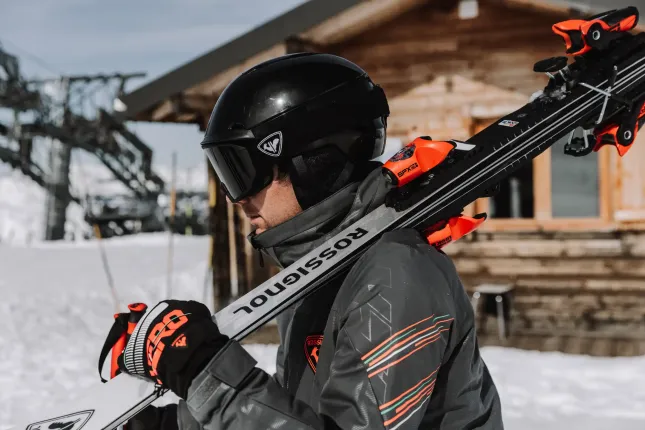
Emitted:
pixel 289 241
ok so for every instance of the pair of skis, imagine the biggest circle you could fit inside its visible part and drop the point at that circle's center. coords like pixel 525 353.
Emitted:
pixel 601 92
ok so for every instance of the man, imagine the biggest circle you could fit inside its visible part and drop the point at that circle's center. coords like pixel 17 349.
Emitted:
pixel 392 345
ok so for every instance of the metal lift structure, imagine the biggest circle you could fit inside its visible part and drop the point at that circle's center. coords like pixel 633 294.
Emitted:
pixel 69 113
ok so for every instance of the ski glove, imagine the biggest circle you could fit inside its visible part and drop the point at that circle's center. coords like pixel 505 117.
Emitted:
pixel 152 418
pixel 171 344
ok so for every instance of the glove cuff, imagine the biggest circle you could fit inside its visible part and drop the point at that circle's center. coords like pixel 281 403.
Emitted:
pixel 172 343
pixel 134 358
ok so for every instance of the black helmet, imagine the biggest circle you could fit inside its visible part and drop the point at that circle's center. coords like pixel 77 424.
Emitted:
pixel 292 105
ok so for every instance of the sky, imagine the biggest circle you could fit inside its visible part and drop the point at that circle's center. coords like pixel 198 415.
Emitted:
pixel 53 37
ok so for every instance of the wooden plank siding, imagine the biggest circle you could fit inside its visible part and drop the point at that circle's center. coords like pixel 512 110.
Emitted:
pixel 629 183
pixel 442 74
pixel 449 78
pixel 446 107
pixel 566 283
pixel 499 48
pixel 579 283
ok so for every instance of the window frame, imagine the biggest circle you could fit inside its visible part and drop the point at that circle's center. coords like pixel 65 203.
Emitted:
pixel 542 198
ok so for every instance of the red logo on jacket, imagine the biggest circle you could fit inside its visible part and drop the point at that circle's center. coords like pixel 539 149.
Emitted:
pixel 312 347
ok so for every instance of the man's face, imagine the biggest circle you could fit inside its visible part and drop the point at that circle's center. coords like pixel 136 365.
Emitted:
pixel 273 205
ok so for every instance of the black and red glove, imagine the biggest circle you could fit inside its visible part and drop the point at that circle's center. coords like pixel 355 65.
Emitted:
pixel 171 344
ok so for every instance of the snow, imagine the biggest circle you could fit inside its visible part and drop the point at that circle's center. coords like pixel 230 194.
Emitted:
pixel 57 309
pixel 22 201
pixel 22 206
pixel 560 391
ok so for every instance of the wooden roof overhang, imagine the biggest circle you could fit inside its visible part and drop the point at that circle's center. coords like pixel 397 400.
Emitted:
pixel 188 93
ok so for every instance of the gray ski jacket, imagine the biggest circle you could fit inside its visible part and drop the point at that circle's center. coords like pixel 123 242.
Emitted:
pixel 390 346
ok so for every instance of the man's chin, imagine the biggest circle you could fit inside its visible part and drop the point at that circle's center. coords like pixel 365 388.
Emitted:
pixel 257 229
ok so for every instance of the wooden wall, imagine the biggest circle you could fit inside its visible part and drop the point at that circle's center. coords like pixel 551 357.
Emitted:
pixel 445 77
pixel 447 107
pixel 499 48
pixel 628 185
pixel 568 285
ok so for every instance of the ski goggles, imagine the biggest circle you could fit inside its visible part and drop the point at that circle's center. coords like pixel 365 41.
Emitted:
pixel 241 171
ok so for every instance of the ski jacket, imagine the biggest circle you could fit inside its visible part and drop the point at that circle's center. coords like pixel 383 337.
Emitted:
pixel 390 346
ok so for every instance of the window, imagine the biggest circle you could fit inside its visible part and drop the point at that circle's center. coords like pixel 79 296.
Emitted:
pixel 574 184
pixel 554 191
pixel 515 196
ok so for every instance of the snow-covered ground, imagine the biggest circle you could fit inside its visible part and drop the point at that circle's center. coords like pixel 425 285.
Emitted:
pixel 56 310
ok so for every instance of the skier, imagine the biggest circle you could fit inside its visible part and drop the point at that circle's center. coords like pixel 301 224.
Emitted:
pixel 391 345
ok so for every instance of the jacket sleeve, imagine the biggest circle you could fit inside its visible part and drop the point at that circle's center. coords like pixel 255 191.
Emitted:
pixel 395 335
pixel 185 420
pixel 390 338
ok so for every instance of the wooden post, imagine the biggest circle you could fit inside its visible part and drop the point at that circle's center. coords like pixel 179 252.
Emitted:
pixel 240 251
pixel 232 249
pixel 218 229
pixel 542 186
pixel 249 252
pixel 605 185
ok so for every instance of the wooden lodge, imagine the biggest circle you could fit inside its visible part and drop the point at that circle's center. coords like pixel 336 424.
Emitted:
pixel 567 235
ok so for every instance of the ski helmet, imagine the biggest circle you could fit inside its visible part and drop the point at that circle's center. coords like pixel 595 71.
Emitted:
pixel 292 105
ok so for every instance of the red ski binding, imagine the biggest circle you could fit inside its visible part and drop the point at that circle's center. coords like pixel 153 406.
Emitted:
pixel 622 135
pixel 580 36
pixel 445 232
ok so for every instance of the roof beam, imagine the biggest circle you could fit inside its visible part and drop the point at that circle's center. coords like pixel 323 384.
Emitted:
pixel 314 26
pixel 164 110
pixel 215 85
pixel 182 107
pixel 357 19
pixel 298 44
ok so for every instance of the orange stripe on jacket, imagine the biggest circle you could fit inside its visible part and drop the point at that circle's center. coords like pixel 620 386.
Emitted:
pixel 401 342
pixel 376 372
pixel 385 405
pixel 407 408
pixel 414 400
pixel 393 336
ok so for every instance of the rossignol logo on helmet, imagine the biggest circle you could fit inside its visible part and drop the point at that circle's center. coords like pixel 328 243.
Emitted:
pixel 272 144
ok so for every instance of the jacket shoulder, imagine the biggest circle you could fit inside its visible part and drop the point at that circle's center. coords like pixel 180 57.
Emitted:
pixel 408 251
pixel 400 266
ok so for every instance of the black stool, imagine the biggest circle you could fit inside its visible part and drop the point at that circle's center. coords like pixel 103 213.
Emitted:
pixel 497 301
